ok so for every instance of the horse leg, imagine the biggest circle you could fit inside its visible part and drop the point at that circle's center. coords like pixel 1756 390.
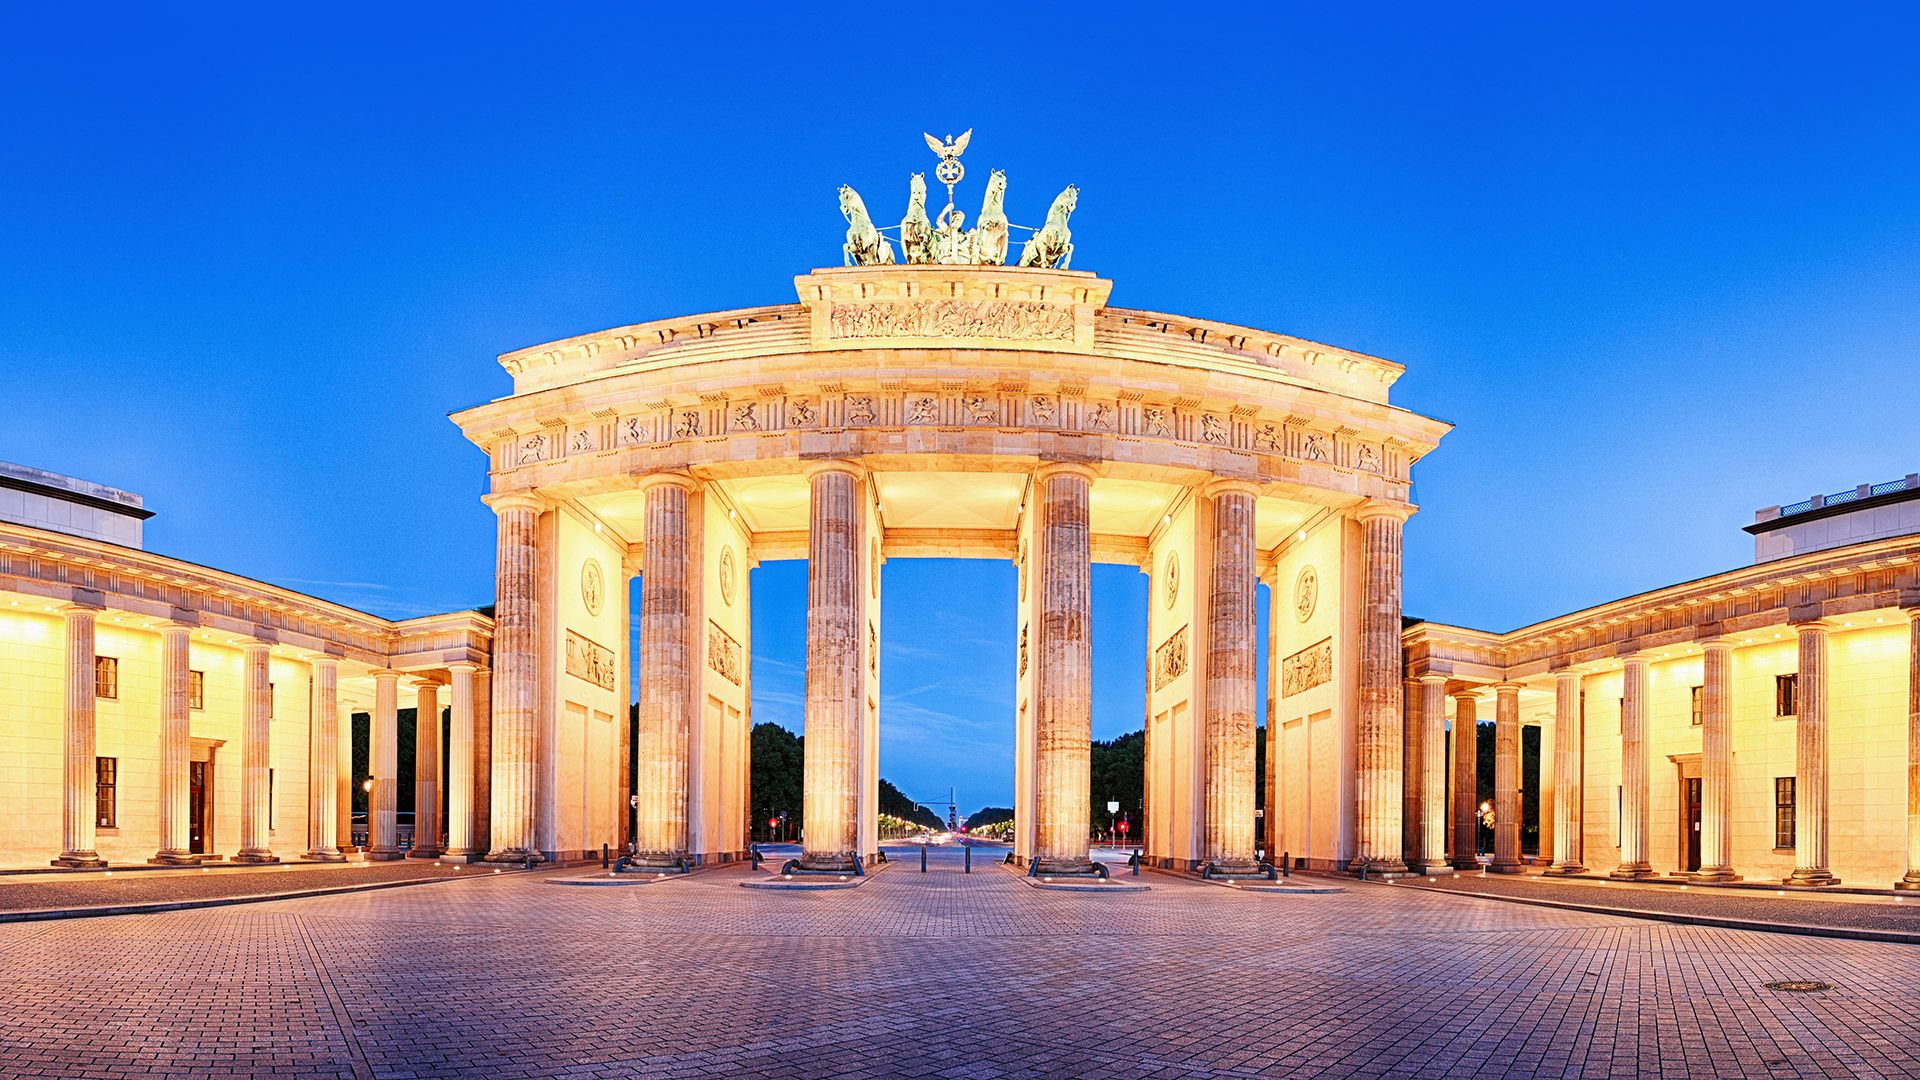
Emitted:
pixel 1066 253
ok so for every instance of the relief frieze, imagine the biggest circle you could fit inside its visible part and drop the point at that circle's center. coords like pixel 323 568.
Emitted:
pixel 589 660
pixel 1170 659
pixel 723 654
pixel 1306 669
pixel 1007 320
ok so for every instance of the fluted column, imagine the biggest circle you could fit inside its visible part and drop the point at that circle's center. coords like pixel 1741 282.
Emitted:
pixel 1466 783
pixel 1810 759
pixel 1506 779
pixel 1716 761
pixel 664 674
pixel 343 775
pixel 1227 833
pixel 323 741
pixel 1634 775
pixel 1569 767
pixel 460 842
pixel 1911 880
pixel 176 745
pixel 830 793
pixel 256 754
pixel 1377 785
pixel 1062 652
pixel 1433 773
pixel 383 768
pixel 426 771
pixel 77 793
pixel 1412 748
pixel 516 678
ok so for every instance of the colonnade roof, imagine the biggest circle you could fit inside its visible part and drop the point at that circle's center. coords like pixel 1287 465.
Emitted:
pixel 1854 587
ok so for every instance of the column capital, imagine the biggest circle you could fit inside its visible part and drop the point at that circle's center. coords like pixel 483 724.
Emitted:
pixel 385 673
pixel 1227 485
pixel 425 682
pixel 76 607
pixel 1721 642
pixel 1050 469
pixel 325 661
pixel 516 500
pixel 1375 508
pixel 247 645
pixel 1910 602
pixel 1814 626
pixel 1471 693
pixel 463 665
pixel 666 479
pixel 1509 687
pixel 820 466
pixel 1432 678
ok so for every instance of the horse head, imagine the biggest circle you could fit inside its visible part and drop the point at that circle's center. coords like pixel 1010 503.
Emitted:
pixel 1064 204
pixel 917 190
pixel 996 193
pixel 851 206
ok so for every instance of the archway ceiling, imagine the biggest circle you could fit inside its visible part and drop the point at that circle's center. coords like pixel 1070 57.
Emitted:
pixel 962 502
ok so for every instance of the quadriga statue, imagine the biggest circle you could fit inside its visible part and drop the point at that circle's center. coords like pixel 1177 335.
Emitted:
pixel 1052 245
pixel 865 246
pixel 916 229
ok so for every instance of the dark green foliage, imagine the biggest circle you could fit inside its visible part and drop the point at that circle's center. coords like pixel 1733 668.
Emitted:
pixel 989 815
pixel 893 801
pixel 778 770
pixel 1118 774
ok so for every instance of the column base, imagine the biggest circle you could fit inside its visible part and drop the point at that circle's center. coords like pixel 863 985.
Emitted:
pixel 1633 872
pixel 462 857
pixel 1234 870
pixel 1500 867
pixel 1564 869
pixel 1466 864
pixel 1430 869
pixel 256 858
pixel 1812 877
pixel 423 853
pixel 79 860
pixel 825 862
pixel 174 858
pixel 658 861
pixel 502 855
pixel 377 855
pixel 1908 883
pixel 324 856
pixel 1709 877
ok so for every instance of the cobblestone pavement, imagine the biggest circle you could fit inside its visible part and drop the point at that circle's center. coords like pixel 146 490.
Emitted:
pixel 936 975
pixel 1839 909
pixel 35 892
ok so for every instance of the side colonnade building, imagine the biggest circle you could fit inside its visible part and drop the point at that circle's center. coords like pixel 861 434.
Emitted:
pixel 1762 724
pixel 154 710
pixel 973 411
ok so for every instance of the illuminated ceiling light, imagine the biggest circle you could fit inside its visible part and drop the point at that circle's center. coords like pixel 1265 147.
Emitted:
pixel 116 618
pixel 1776 635
pixel 1883 620
pixel 1165 518
pixel 596 526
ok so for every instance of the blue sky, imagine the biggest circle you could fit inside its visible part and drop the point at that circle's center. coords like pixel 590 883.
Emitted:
pixel 1659 267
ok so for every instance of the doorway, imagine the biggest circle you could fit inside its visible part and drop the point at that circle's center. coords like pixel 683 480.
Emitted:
pixel 1693 824
pixel 196 807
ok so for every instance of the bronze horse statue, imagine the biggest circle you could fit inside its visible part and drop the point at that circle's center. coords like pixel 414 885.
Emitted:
pixel 916 230
pixel 990 232
pixel 865 246
pixel 1052 244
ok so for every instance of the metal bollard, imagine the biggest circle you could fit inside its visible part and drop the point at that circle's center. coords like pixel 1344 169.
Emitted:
pixel 1286 864
pixel 603 855
pixel 1135 860
pixel 923 858
pixel 969 852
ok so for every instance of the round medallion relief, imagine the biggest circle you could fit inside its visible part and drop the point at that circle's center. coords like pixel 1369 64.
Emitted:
pixel 593 586
pixel 1170 580
pixel 1306 593
pixel 726 573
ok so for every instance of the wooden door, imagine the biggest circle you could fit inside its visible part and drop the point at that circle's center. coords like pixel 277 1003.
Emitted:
pixel 197 807
pixel 1693 823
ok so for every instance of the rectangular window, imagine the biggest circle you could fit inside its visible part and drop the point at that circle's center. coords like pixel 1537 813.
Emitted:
pixel 196 689
pixel 106 773
pixel 1783 811
pixel 1699 705
pixel 106 677
pixel 1786 695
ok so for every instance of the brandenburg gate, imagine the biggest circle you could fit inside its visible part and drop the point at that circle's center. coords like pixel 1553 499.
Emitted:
pixel 947 405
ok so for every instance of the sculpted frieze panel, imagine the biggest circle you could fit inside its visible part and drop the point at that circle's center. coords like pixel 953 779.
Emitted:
pixel 1004 320
pixel 1306 669
pixel 800 413
pixel 634 430
pixel 589 660
pixel 1170 659
pixel 723 654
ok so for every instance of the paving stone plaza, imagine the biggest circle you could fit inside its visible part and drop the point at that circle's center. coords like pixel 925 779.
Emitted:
pixel 944 974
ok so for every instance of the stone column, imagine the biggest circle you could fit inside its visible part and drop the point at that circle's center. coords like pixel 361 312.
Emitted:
pixel 1810 759
pixel 176 745
pixel 1433 773
pixel 1716 761
pixel 665 674
pixel 343 777
pixel 1412 748
pixel 1227 833
pixel 1634 771
pixel 323 756
pixel 1911 880
pixel 1466 783
pixel 460 841
pixel 1062 652
pixel 1378 780
pixel 256 755
pixel 383 768
pixel 79 775
pixel 426 771
pixel 830 793
pixel 1506 779
pixel 1569 768
pixel 516 678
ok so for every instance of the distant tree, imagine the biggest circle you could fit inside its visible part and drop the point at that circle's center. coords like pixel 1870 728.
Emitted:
pixel 778 770
pixel 988 815
pixel 1118 774
pixel 892 801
